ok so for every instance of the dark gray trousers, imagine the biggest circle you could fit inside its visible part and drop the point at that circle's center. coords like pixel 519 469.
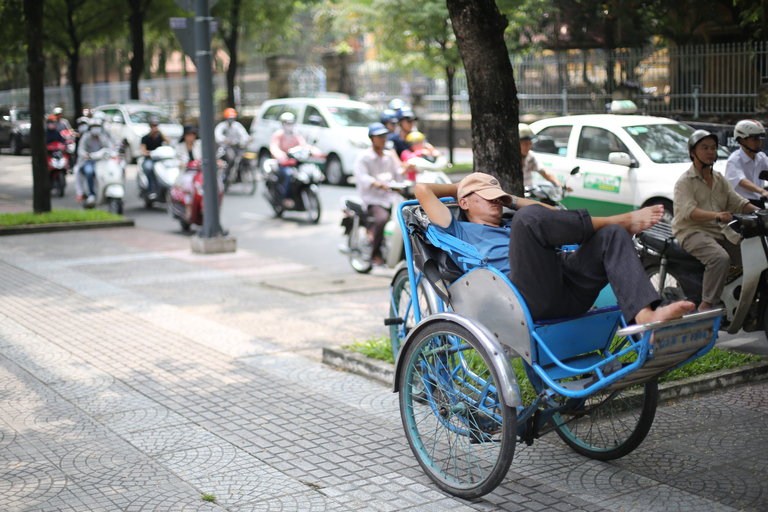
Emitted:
pixel 560 284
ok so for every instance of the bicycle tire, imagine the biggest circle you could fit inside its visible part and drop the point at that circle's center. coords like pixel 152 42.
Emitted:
pixel 401 306
pixel 457 425
pixel 610 424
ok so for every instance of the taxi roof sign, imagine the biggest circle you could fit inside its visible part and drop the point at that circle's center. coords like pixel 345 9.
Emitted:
pixel 622 107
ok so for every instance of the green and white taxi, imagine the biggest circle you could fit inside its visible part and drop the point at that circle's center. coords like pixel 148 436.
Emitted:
pixel 626 161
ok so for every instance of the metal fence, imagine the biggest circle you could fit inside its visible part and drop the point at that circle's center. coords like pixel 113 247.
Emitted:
pixel 690 81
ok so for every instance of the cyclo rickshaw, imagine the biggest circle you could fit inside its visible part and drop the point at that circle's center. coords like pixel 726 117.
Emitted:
pixel 458 329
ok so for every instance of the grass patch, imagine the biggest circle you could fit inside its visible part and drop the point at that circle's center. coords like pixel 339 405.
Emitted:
pixel 56 217
pixel 375 348
pixel 209 497
pixel 716 359
pixel 461 168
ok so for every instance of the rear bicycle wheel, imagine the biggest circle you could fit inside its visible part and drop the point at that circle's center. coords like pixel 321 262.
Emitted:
pixel 402 307
pixel 610 424
pixel 457 424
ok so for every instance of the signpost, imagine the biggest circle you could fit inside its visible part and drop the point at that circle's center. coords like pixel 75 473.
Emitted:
pixel 211 238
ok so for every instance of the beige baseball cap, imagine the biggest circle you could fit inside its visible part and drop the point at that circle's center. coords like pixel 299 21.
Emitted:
pixel 484 185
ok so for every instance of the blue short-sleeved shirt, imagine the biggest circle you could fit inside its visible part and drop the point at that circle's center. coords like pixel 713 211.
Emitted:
pixel 489 241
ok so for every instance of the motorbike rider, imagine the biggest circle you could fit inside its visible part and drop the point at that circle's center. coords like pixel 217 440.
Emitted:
pixel 91 142
pixel 374 168
pixel 284 139
pixel 389 120
pixel 151 141
pixel 52 133
pixel 405 119
pixel 744 165
pixel 61 122
pixel 231 135
pixel 530 164
pixel 189 148
pixel 704 202
pixel 418 148
pixel 526 249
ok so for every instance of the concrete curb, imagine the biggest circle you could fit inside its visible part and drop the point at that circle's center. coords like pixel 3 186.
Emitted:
pixel 384 372
pixel 64 226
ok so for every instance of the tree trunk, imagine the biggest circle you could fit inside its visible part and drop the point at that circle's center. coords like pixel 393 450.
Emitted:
pixel 479 29
pixel 74 80
pixel 136 25
pixel 231 42
pixel 450 72
pixel 232 72
pixel 41 186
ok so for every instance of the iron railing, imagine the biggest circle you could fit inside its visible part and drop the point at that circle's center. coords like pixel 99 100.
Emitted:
pixel 688 81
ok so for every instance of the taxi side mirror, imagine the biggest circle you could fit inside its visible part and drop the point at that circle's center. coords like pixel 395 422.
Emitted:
pixel 617 158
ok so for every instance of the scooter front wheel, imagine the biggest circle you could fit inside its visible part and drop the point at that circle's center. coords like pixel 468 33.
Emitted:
pixel 360 250
pixel 116 206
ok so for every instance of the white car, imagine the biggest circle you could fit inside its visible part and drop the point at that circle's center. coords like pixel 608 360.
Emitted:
pixel 338 127
pixel 130 122
pixel 626 161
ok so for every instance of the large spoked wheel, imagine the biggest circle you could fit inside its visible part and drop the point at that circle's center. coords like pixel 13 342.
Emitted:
pixel 402 306
pixel 457 424
pixel 670 290
pixel 311 205
pixel 610 424
pixel 360 245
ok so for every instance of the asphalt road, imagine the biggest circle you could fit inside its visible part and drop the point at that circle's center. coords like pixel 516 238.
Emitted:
pixel 249 219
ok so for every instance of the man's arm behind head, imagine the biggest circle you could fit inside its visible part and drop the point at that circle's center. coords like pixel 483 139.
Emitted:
pixel 429 195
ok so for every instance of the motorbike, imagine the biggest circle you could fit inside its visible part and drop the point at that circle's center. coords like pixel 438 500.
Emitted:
pixel 186 190
pixel 304 193
pixel 677 275
pixel 70 137
pixel 549 193
pixel 241 167
pixel 166 172
pixel 58 165
pixel 110 180
pixel 356 222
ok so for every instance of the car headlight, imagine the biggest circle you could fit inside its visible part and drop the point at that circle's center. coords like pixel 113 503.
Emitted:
pixel 23 127
pixel 359 144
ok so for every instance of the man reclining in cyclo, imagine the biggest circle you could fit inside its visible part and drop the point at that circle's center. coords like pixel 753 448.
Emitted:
pixel 553 283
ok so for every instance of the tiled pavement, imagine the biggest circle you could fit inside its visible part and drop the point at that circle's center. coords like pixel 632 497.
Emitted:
pixel 137 376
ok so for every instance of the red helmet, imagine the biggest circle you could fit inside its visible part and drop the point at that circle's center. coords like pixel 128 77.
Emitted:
pixel 52 118
pixel 230 113
pixel 193 165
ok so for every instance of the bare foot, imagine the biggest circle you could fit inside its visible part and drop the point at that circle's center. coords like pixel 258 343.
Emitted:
pixel 634 222
pixel 642 219
pixel 662 314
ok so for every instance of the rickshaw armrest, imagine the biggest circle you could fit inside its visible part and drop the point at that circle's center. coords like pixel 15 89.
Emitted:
pixel 631 330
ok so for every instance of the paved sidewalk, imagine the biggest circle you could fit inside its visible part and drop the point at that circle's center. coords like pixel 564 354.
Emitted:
pixel 136 376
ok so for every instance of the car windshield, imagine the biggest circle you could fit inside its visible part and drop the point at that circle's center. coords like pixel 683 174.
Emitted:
pixel 142 116
pixel 345 116
pixel 22 115
pixel 665 143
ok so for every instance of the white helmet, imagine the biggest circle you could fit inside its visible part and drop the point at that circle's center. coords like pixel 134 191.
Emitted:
pixel 58 111
pixel 748 128
pixel 287 118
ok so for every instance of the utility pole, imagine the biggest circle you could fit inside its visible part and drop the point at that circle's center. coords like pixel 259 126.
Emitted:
pixel 212 238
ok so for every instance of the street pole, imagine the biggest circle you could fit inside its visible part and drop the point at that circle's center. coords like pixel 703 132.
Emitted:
pixel 211 226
